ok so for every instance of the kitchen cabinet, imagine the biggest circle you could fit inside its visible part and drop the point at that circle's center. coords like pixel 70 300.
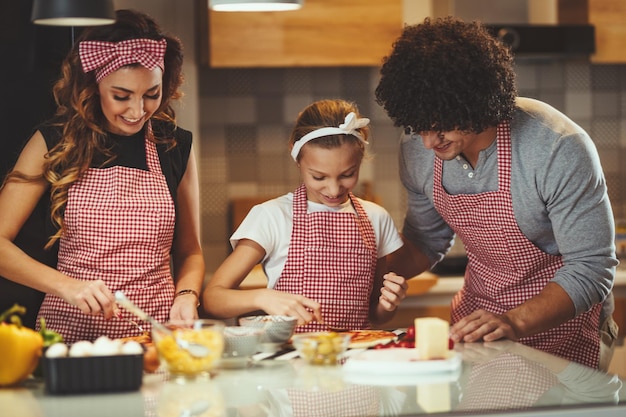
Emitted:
pixel 321 33
pixel 609 20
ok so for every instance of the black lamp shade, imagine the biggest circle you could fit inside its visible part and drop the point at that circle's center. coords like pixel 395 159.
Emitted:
pixel 73 12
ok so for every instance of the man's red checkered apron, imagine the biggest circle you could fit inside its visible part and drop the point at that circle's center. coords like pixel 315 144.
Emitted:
pixel 119 227
pixel 505 269
pixel 332 259
pixel 504 383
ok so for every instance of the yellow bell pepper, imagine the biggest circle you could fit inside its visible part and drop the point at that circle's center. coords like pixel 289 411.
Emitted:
pixel 20 348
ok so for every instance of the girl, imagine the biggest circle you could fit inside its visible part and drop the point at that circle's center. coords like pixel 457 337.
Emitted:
pixel 322 248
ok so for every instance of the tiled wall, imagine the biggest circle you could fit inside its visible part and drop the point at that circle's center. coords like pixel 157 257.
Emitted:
pixel 246 116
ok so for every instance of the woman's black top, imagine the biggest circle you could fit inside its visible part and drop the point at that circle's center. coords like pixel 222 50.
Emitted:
pixel 130 152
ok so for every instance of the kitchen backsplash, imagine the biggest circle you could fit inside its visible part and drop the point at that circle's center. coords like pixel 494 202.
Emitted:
pixel 246 117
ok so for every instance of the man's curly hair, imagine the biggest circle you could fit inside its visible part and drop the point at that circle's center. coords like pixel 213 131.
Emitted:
pixel 447 74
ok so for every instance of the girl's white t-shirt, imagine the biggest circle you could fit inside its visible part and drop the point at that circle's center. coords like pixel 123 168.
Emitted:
pixel 269 224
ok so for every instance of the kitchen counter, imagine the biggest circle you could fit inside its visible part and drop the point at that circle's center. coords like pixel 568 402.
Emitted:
pixel 430 288
pixel 501 377
pixel 430 295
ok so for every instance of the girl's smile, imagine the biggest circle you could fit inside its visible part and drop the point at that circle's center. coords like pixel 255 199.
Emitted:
pixel 330 174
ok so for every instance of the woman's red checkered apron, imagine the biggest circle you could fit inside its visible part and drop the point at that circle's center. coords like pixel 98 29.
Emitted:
pixel 505 269
pixel 119 227
pixel 332 259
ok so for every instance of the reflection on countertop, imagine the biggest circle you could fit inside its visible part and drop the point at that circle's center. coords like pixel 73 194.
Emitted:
pixel 497 377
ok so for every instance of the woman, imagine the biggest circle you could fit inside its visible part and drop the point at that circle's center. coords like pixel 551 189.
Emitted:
pixel 122 185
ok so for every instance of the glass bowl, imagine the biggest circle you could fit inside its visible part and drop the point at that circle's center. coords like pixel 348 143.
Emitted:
pixel 178 361
pixel 321 348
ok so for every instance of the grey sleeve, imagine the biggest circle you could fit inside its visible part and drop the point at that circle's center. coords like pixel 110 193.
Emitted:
pixel 575 193
pixel 588 384
pixel 423 225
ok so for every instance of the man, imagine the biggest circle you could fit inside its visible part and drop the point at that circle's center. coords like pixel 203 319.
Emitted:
pixel 516 180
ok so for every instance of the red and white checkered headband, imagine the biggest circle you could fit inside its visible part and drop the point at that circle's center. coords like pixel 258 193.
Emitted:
pixel 106 57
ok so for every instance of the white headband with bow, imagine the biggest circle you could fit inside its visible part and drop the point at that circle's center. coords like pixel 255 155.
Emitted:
pixel 348 127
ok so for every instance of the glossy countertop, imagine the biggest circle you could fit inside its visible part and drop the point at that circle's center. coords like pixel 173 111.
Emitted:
pixel 498 378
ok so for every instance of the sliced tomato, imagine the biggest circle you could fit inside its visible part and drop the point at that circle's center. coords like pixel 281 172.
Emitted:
pixel 410 333
pixel 406 344
pixel 388 345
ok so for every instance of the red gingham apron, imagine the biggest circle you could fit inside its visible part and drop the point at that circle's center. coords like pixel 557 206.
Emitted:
pixel 355 400
pixel 332 259
pixel 504 383
pixel 119 228
pixel 505 269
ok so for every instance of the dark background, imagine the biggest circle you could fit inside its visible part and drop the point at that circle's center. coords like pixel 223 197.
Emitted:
pixel 31 62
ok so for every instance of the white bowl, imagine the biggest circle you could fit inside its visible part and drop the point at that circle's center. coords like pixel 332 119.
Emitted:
pixel 240 343
pixel 276 329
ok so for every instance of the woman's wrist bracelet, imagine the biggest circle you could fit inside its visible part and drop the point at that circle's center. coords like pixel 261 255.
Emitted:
pixel 189 291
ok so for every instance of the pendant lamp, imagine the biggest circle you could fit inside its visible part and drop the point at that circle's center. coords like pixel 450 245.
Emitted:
pixel 254 5
pixel 73 12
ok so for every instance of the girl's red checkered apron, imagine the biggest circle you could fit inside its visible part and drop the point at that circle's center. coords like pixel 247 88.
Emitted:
pixel 505 269
pixel 354 400
pixel 332 259
pixel 119 228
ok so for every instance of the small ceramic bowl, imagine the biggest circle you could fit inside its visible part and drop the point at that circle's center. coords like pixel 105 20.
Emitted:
pixel 240 343
pixel 321 348
pixel 276 329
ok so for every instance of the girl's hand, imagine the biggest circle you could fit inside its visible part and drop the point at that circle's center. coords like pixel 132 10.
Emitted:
pixel 393 291
pixel 293 305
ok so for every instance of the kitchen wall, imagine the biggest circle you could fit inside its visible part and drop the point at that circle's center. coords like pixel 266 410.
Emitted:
pixel 246 115
pixel 241 120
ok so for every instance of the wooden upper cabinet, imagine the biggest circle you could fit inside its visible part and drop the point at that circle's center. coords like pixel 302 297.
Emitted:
pixel 609 19
pixel 321 33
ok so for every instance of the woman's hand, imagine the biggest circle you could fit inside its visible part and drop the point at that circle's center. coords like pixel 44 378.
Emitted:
pixel 91 297
pixel 185 307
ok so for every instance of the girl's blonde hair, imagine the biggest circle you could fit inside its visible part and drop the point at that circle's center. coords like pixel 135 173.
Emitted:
pixel 328 113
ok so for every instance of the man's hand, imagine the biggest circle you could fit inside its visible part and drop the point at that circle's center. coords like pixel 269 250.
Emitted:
pixel 483 325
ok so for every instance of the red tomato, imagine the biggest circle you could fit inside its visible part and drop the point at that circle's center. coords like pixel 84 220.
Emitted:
pixel 406 344
pixel 410 333
pixel 384 345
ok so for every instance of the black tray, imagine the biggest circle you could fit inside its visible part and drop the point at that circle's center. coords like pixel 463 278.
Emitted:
pixel 93 374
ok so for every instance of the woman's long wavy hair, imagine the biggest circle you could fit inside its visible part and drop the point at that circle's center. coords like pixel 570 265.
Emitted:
pixel 80 116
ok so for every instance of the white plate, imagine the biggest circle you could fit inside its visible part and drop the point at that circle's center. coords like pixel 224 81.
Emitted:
pixel 399 362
